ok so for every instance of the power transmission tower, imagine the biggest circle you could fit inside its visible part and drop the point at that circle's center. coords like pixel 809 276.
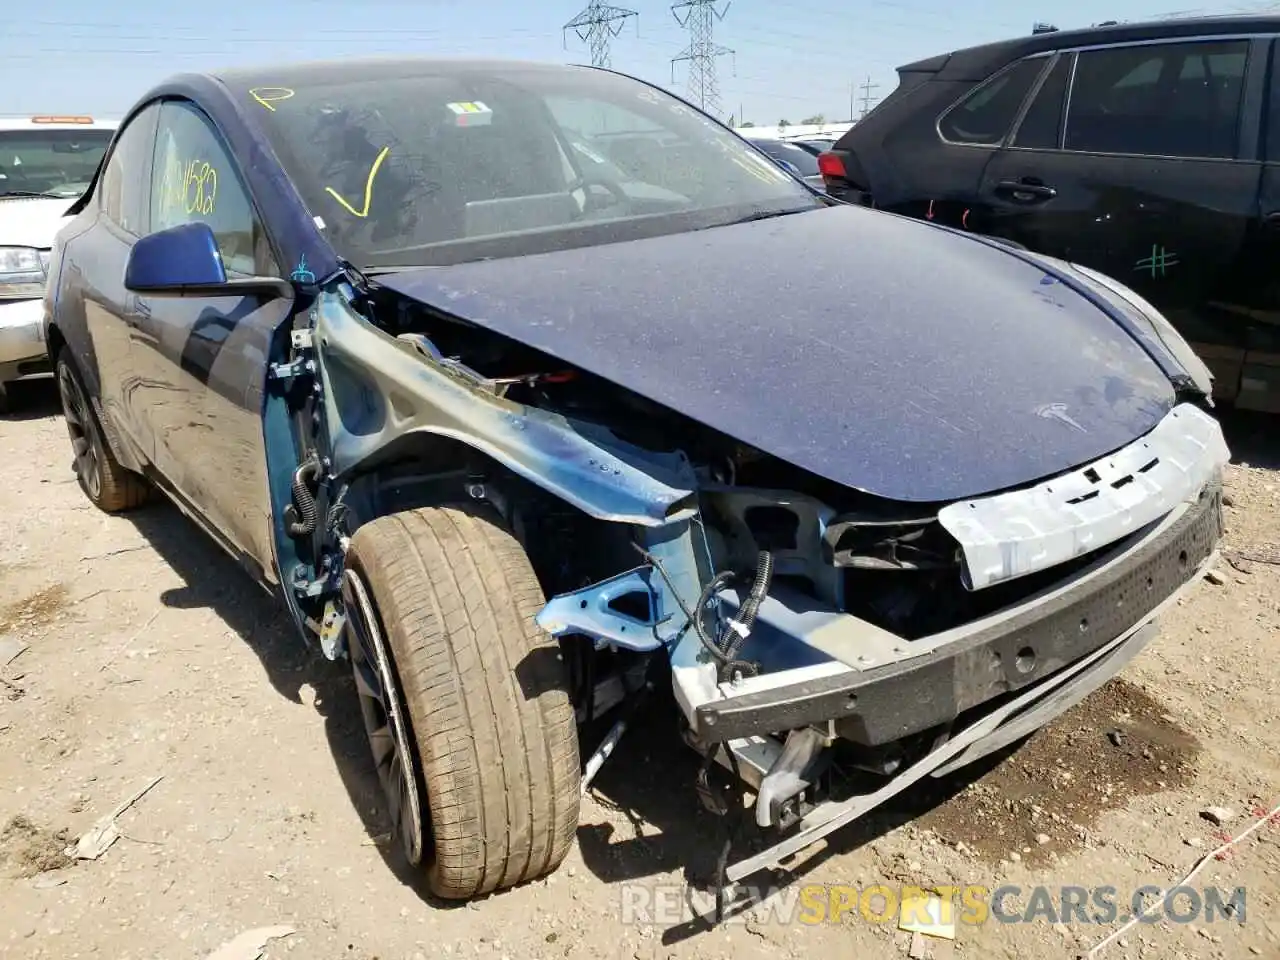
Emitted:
pixel 597 25
pixel 867 86
pixel 702 52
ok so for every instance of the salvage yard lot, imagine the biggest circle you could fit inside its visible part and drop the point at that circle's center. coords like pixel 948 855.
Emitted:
pixel 149 655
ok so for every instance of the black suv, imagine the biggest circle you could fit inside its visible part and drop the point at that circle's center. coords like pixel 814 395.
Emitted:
pixel 1149 152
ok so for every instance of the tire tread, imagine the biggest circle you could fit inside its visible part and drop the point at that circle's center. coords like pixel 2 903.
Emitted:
pixel 500 764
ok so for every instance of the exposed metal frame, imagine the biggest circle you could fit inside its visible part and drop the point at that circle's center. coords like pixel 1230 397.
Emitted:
pixel 930 682
pixel 379 389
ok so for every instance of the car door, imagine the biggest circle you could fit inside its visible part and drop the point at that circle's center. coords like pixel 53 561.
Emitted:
pixel 209 354
pixel 1251 301
pixel 100 255
pixel 938 161
pixel 1140 161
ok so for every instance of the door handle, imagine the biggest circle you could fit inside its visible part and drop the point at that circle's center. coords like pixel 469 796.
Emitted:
pixel 1272 219
pixel 1026 190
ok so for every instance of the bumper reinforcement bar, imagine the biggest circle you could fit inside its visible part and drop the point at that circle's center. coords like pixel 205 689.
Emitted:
pixel 1009 653
pixel 1028 711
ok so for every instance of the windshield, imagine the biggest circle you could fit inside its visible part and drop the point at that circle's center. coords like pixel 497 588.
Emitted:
pixel 56 163
pixel 805 162
pixel 442 163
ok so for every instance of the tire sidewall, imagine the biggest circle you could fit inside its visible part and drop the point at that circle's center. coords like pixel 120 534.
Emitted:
pixel 390 672
pixel 93 429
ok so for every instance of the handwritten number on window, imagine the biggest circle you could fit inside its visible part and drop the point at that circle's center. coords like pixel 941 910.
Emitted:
pixel 190 187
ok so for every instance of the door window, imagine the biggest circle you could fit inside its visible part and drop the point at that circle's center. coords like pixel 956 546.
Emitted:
pixel 985 116
pixel 1166 100
pixel 194 180
pixel 1042 122
pixel 122 191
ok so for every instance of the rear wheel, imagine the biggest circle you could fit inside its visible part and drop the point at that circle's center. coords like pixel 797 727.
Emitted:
pixel 104 481
pixel 465 700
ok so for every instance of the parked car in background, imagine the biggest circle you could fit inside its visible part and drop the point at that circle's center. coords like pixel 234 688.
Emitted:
pixel 1149 152
pixel 523 444
pixel 46 162
pixel 814 145
pixel 799 161
pixel 794 131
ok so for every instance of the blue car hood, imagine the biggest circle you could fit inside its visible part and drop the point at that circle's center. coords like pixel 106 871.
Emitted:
pixel 879 352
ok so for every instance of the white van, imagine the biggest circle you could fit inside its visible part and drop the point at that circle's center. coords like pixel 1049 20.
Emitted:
pixel 45 164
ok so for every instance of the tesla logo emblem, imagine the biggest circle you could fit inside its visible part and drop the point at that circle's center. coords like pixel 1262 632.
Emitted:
pixel 1058 411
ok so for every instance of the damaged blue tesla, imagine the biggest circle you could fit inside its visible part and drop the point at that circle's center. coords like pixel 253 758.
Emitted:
pixel 532 388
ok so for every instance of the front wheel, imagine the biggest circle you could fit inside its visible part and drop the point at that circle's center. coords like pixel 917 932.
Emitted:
pixel 465 701
pixel 108 485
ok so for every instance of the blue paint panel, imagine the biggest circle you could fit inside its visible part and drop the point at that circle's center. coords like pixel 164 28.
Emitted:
pixel 1103 299
pixel 588 612
pixel 874 350
pixel 282 459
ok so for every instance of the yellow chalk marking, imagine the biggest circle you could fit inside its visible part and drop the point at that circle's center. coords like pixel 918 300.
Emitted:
pixel 190 187
pixel 368 187
pixel 269 95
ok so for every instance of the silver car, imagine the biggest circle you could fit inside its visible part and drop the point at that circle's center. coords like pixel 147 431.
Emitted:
pixel 45 163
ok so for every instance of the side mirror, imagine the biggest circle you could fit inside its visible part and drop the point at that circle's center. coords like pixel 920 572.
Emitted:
pixel 790 167
pixel 184 261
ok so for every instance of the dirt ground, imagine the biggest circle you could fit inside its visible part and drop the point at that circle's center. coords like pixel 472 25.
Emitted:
pixel 148 654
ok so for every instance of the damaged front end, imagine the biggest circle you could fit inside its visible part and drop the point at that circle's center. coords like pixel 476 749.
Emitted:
pixel 867 639
pixel 827 646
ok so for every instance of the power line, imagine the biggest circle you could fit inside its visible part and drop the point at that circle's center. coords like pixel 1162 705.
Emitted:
pixel 99 43
pixel 702 52
pixel 597 25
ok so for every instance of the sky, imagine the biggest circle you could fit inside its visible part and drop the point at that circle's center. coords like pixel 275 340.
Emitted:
pixel 791 59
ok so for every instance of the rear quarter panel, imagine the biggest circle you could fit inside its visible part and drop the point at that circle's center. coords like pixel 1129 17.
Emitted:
pixel 901 155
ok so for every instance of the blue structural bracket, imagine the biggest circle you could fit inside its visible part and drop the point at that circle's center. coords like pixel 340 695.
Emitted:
pixel 589 612
pixel 671 583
